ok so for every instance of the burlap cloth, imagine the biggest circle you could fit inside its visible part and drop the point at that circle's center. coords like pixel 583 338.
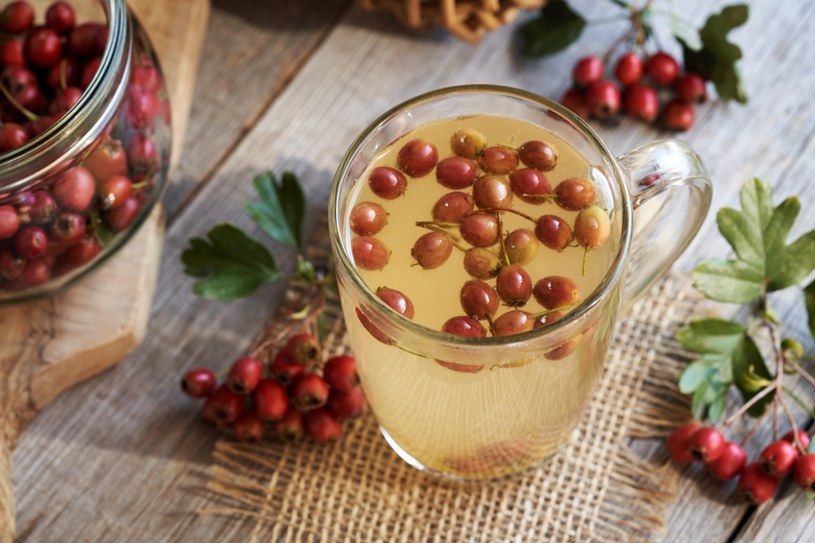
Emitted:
pixel 595 489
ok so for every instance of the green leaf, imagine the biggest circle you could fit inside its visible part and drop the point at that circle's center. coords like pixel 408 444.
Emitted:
pixel 809 302
pixel 557 27
pixel 717 57
pixel 697 372
pixel 764 262
pixel 281 208
pixel 712 335
pixel 748 363
pixel 229 263
pixel 716 408
pixel 322 328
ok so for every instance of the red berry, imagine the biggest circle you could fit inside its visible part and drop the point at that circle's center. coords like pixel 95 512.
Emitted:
pixel 432 250
pixel 556 291
pixel 270 400
pixel 592 227
pixel 530 184
pixel 322 425
pixel 107 160
pixel 492 192
pixel 453 206
pixel 678 115
pixel 456 172
pixel 12 135
pixel 75 190
pixel 498 160
pixel 539 155
pixel 142 107
pixel 64 101
pixel 368 218
pixel 707 444
pixel 84 40
pixel 513 322
pixel 114 192
pixel 89 72
pixel 588 70
pixel 310 391
pixel 290 425
pixel 248 428
pixel 42 47
pixel 79 254
pixel 36 272
pixel 755 485
pixel 662 68
pixel 347 405
pixel 303 349
pixel 198 383
pixel 778 458
pixel 513 285
pixel 244 375
pixel 464 326
pixel 9 221
pixel 369 253
pixel 340 372
pixel 641 102
pixel 554 232
pixel 11 266
pixel 575 99
pixel 481 263
pixel 805 472
pixel 803 438
pixel 387 182
pixel 16 17
pixel 396 301
pixel 284 369
pixel 478 299
pixel 521 246
pixel 629 69
pixel 575 193
pixel 142 153
pixel 144 75
pixel 730 463
pixel 690 88
pixel 417 158
pixel 479 229
pixel 11 51
pixel 223 406
pixel 30 242
pixel 64 74
pixel 603 99
pixel 60 17
pixel 121 217
pixel 67 228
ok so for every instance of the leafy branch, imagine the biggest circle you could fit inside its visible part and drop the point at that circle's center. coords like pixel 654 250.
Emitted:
pixel 728 350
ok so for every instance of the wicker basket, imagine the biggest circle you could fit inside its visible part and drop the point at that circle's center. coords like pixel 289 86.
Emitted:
pixel 466 19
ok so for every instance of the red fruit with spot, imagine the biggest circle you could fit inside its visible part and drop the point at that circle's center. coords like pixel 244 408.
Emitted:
pixel 396 300
pixel 60 17
pixel 513 322
pixel 691 88
pixel 678 115
pixel 629 69
pixel 730 463
pixel 17 17
pixel 575 99
pixel 309 391
pixel 223 406
pixel 321 425
pixel 679 443
pixel 142 107
pixel 803 438
pixel 478 299
pixel 248 428
pixel 479 229
pixel 121 217
pixel 340 373
pixel 456 172
pixel 291 425
pixel 575 193
pixel 662 68
pixel 303 349
pixel 107 160
pixel 453 207
pixel 78 255
pixel 386 182
pixel 368 218
pixel 805 472
pixel 67 229
pixel 11 266
pixel 12 135
pixel 30 242
pixel 464 326
pixel 498 160
pixel 755 485
pixel 199 382
pixel 778 458
pixel 244 375
pixel 555 291
pixel 284 369
pixel 369 253
pixel 114 192
pixel 530 184
pixel 641 102
pixel 538 154
pixel 417 158
pixel 554 232
pixel 270 400
pixel 9 221
pixel 75 190
pixel 588 70
pixel 142 153
pixel 42 47
pixel 513 284
pixel 603 99
pixel 707 444
pixel 347 405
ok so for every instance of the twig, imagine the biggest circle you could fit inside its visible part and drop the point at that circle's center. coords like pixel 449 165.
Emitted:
pixel 750 403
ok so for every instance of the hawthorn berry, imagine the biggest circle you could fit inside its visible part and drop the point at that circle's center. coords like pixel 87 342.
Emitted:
pixel 467 142
pixel 432 250
pixel 629 69
pixel 730 463
pixel 678 115
pixel 603 99
pixel 805 472
pixel 662 68
pixel 641 102
pixel 248 428
pixel 346 405
pixel 778 458
pixel 270 400
pixel 456 172
pixel 706 444
pixel 223 406
pixel 803 438
pixel 322 425
pixel 755 485
pixel 417 158
pixel 690 88
pixel 309 391
pixel 284 369
pixel 199 382
pixel 244 375
pixel 340 373
pixel 588 70
pixel 303 349
pixel 290 424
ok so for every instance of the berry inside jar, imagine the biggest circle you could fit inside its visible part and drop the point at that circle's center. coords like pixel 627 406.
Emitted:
pixel 84 139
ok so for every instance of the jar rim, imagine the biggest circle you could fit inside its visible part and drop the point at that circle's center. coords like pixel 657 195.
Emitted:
pixel 75 131
pixel 612 278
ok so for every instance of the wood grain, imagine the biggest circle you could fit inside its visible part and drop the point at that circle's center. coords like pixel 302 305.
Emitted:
pixel 120 457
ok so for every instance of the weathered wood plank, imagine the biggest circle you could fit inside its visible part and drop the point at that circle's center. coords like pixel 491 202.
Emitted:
pixel 117 457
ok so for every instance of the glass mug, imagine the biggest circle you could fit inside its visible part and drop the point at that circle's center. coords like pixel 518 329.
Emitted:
pixel 527 401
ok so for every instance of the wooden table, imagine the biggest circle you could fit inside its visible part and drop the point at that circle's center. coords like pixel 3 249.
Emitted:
pixel 119 458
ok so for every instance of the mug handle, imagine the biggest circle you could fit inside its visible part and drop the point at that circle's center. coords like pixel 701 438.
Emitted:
pixel 670 193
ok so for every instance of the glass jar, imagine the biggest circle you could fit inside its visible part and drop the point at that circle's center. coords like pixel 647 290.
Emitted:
pixel 96 158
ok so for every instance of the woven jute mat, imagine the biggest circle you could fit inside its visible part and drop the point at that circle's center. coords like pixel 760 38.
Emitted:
pixel 594 489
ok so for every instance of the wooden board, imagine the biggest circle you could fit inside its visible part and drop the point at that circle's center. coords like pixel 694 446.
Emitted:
pixel 50 345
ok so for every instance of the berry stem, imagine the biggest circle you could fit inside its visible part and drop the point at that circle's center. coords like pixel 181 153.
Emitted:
pixel 755 428
pixel 747 405
pixel 801 371
pixel 509 210
pixel 503 256
pixel 25 111
pixel 440 226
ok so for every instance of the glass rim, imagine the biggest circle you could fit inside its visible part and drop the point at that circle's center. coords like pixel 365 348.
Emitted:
pixel 584 308
pixel 25 165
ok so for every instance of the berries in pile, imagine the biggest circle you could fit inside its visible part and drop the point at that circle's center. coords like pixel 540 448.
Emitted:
pixel 651 90
pixel 288 396
pixel 483 184
pixel 758 480
pixel 63 223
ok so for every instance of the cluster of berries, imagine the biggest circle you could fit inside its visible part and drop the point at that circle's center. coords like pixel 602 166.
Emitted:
pixel 594 96
pixel 758 481
pixel 291 400
pixel 44 71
